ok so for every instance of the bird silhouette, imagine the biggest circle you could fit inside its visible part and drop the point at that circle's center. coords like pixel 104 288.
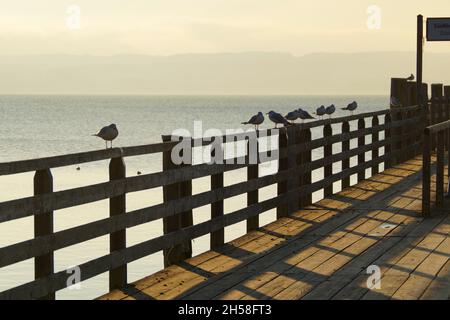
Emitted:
pixel 351 107
pixel 292 116
pixel 108 133
pixel 330 110
pixel 277 119
pixel 304 115
pixel 410 78
pixel 256 120
pixel 321 111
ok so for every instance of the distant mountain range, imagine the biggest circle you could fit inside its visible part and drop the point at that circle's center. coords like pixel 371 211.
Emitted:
pixel 252 73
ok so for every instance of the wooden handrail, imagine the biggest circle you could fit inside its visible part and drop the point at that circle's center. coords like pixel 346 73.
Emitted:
pixel 295 190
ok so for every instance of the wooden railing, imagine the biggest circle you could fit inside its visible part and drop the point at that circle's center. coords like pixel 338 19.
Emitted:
pixel 402 139
pixel 436 139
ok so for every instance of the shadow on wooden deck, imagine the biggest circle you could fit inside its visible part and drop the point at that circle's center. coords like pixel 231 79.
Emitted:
pixel 323 251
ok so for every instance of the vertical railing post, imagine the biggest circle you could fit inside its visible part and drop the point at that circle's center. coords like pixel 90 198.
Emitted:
pixel 362 155
pixel 286 139
pixel 252 173
pixel 388 137
pixel 282 209
pixel 117 240
pixel 440 169
pixel 398 137
pixel 306 176
pixel 327 154
pixel 181 251
pixel 345 148
pixel 43 226
pixel 426 174
pixel 375 150
pixel 217 238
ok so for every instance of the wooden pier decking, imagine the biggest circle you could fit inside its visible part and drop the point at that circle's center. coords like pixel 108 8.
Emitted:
pixel 323 251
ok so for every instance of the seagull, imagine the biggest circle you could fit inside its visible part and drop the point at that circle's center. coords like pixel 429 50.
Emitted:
pixel 395 102
pixel 292 116
pixel 410 78
pixel 108 133
pixel 256 120
pixel 277 118
pixel 321 111
pixel 330 110
pixel 351 107
pixel 304 115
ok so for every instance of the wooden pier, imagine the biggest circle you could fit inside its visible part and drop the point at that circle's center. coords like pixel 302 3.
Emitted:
pixel 394 217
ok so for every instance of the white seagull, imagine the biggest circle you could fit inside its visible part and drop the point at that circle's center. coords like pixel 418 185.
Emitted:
pixel 108 133
pixel 277 118
pixel 351 107
pixel 256 120
pixel 330 110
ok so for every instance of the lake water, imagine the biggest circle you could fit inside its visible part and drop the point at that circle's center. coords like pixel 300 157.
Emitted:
pixel 38 126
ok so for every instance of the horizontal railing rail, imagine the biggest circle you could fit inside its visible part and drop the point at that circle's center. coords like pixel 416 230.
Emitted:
pixel 295 186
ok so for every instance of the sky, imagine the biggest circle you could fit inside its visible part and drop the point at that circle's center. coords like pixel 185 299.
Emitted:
pixel 168 27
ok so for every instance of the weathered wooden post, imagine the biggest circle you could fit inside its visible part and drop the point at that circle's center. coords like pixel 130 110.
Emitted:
pixel 287 138
pixel 327 154
pixel 388 138
pixel 117 240
pixel 173 223
pixel 436 108
pixel 398 137
pixel 426 174
pixel 282 209
pixel 252 173
pixel 362 155
pixel 440 163
pixel 447 91
pixel 43 226
pixel 399 92
pixel 217 238
pixel 375 150
pixel 345 148
pixel 306 156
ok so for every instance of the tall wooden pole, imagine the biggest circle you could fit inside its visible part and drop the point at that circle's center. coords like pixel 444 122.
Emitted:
pixel 419 57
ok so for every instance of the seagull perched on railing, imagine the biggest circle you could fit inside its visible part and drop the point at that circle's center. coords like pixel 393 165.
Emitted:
pixel 277 119
pixel 256 120
pixel 351 107
pixel 304 115
pixel 321 111
pixel 330 110
pixel 292 116
pixel 108 133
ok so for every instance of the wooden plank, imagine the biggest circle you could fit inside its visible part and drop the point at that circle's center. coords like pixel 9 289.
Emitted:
pixel 362 156
pixel 345 148
pixel 15 167
pixel 327 153
pixel 253 173
pixel 357 288
pixel 283 164
pixel 424 274
pixel 439 289
pixel 375 151
pixel 117 239
pixel 43 226
pixel 217 238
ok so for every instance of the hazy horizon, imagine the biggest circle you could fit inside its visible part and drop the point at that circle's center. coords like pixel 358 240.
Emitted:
pixel 235 74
